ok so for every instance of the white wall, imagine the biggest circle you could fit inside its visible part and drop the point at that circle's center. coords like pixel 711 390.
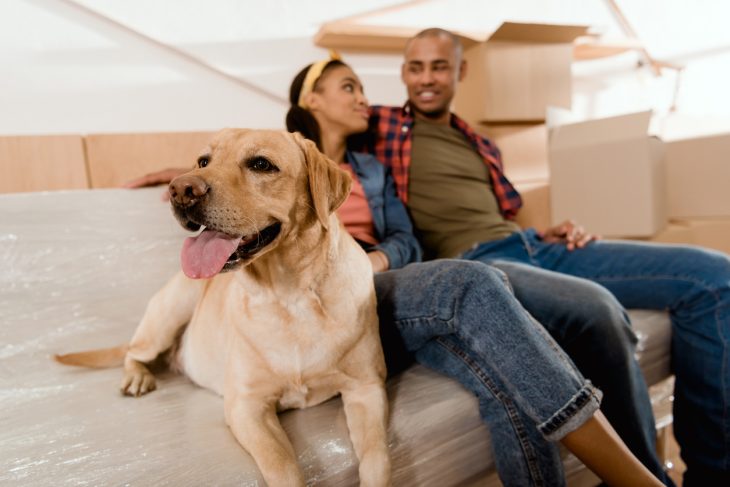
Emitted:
pixel 89 66
pixel 156 65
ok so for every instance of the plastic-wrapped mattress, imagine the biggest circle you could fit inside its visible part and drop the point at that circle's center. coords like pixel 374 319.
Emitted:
pixel 77 270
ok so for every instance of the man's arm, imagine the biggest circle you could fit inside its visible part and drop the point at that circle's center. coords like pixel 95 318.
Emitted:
pixel 154 178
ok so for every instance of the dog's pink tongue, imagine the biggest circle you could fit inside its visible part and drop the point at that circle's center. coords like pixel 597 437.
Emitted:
pixel 205 255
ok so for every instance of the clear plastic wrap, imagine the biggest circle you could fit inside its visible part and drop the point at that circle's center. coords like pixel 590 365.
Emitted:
pixel 78 269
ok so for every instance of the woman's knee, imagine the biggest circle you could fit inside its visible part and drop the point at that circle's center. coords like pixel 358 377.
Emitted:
pixel 468 276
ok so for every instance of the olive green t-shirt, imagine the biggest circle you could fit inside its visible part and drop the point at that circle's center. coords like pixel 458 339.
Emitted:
pixel 450 194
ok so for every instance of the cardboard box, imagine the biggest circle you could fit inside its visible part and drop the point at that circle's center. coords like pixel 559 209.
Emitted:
pixel 535 211
pixel 608 175
pixel 523 148
pixel 673 233
pixel 349 36
pixel 517 72
pixel 710 233
pixel 698 177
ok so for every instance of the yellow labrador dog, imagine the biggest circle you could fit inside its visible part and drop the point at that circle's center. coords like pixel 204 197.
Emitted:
pixel 275 307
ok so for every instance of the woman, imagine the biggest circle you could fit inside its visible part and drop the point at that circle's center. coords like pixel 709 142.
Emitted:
pixel 457 318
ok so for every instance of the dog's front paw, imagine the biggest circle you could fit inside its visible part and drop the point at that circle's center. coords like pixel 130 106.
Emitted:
pixel 138 381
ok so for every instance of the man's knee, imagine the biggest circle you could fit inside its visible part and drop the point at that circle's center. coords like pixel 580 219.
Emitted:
pixel 599 319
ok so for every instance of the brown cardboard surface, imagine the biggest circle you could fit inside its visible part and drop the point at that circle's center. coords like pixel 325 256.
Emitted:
pixel 116 158
pixel 537 33
pixel 382 38
pixel 42 163
pixel 507 82
pixel 535 211
pixel 348 36
pixel 517 73
pixel 674 233
pixel 608 175
pixel 698 176
pixel 711 233
pixel 523 148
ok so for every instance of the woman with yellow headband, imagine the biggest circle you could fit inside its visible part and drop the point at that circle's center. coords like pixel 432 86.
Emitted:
pixel 458 317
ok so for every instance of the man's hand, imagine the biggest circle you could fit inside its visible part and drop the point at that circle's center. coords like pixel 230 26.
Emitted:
pixel 155 178
pixel 569 233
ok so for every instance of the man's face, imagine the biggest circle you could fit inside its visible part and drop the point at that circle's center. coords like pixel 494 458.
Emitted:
pixel 430 72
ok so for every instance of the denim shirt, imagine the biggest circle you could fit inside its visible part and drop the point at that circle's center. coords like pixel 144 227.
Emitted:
pixel 390 219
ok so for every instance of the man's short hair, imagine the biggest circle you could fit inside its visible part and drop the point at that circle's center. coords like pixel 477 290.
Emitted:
pixel 439 32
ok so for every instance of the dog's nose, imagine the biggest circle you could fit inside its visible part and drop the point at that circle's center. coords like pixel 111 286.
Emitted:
pixel 186 190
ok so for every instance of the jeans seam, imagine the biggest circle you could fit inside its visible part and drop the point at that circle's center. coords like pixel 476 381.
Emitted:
pixel 718 325
pixel 531 251
pixel 514 419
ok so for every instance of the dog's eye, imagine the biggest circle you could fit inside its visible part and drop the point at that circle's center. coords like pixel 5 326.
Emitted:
pixel 203 161
pixel 261 164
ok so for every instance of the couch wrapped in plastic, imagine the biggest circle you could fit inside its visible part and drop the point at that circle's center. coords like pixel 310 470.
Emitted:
pixel 77 270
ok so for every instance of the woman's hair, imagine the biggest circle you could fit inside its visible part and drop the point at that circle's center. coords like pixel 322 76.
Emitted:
pixel 300 119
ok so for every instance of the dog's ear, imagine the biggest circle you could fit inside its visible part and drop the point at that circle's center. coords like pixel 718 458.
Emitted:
pixel 329 186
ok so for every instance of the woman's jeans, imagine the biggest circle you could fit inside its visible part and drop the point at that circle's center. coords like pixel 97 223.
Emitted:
pixel 461 319
pixel 572 294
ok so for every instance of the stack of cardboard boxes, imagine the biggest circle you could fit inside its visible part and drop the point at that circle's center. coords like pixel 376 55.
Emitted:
pixel 614 176
pixel 697 163
pixel 512 76
pixel 619 181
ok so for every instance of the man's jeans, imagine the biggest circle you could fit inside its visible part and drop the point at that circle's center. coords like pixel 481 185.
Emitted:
pixel 461 319
pixel 693 284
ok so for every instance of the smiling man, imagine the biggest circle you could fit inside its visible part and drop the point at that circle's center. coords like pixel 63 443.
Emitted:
pixel 447 164
pixel 462 206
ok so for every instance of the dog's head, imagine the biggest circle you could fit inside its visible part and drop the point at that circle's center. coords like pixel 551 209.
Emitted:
pixel 252 190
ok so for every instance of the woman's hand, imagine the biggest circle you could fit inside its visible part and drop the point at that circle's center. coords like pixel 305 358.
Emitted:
pixel 379 261
pixel 569 233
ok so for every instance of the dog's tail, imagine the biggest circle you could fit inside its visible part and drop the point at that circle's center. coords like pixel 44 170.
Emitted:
pixel 98 359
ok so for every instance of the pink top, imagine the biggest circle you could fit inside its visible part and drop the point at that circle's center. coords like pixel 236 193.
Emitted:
pixel 355 212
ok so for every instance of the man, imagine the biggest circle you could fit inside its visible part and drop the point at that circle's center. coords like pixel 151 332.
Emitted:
pixel 452 182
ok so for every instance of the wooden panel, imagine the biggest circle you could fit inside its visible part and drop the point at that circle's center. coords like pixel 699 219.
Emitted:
pixel 116 158
pixel 42 163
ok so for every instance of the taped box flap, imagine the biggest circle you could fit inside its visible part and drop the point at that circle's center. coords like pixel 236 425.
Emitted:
pixel 538 33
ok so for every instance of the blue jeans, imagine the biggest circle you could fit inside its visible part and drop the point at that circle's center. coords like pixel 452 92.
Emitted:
pixel 461 319
pixel 563 290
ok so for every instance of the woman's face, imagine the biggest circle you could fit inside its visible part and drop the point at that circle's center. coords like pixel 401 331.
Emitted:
pixel 339 103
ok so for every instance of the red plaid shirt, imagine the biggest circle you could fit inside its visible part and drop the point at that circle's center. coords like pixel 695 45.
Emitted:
pixel 392 146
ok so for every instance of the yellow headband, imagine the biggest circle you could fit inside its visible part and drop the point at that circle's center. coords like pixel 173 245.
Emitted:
pixel 313 74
